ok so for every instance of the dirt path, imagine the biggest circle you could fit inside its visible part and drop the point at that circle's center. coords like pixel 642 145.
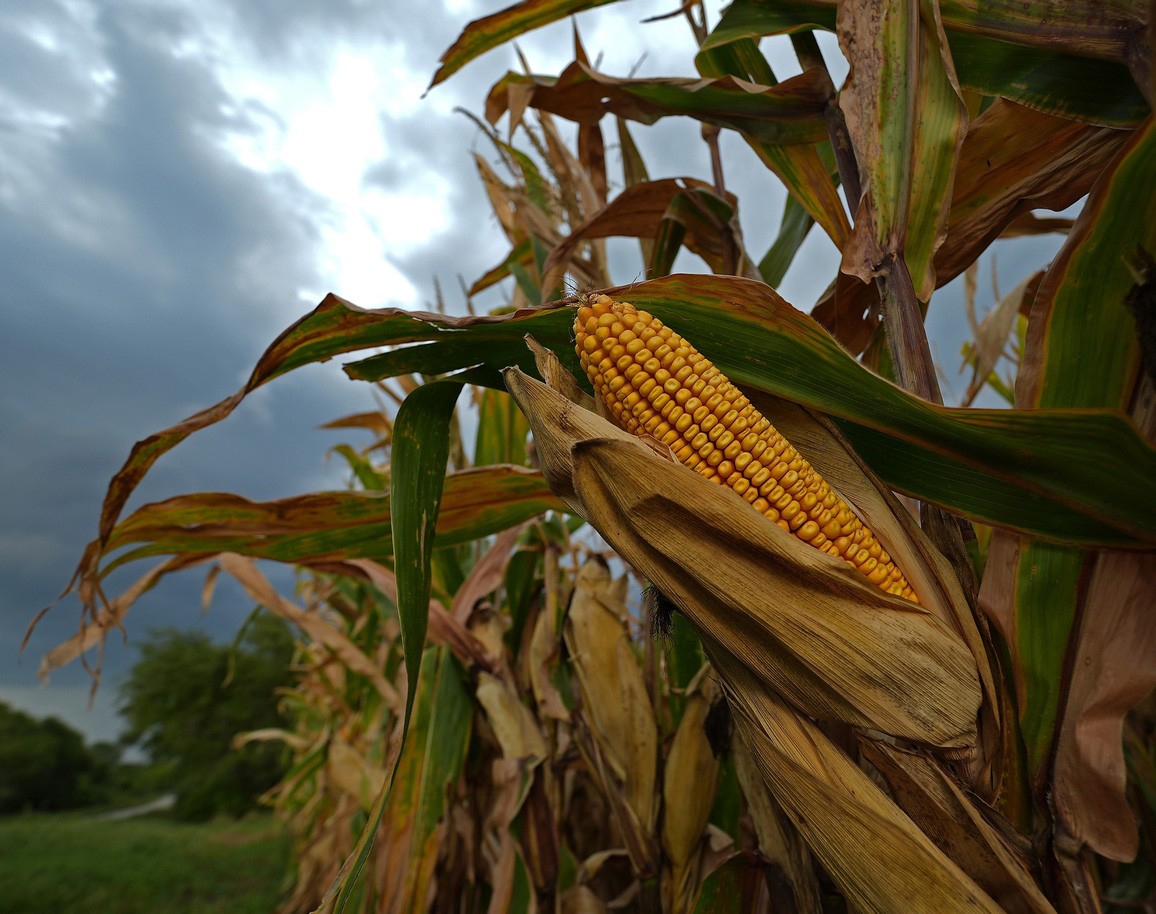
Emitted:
pixel 160 804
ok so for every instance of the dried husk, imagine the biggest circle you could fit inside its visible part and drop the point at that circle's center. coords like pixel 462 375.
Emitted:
pixel 779 841
pixel 688 789
pixel 514 725
pixel 994 856
pixel 615 703
pixel 928 572
pixel 880 859
pixel 796 636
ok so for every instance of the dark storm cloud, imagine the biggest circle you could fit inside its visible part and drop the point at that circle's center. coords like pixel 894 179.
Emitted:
pixel 281 27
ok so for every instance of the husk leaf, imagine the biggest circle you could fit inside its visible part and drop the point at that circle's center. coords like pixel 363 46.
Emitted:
pixel 958 826
pixel 879 858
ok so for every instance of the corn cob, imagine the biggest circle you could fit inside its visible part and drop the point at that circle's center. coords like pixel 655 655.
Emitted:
pixel 656 384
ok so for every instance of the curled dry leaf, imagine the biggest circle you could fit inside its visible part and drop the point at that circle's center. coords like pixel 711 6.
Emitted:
pixel 543 646
pixel 807 624
pixel 109 617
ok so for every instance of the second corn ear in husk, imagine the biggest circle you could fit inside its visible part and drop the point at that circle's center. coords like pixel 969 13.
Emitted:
pixel 616 707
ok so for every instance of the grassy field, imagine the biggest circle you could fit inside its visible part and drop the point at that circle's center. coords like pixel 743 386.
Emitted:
pixel 67 862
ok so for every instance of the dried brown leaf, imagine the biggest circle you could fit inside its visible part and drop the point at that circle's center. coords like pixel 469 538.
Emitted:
pixel 313 624
pixel 991 335
pixel 511 779
pixel 487 574
pixel 1015 160
pixel 637 212
pixel 1113 670
pixel 543 649
pixel 110 616
pixel 375 421
pixel 689 779
pixel 443 627
pixel 790 112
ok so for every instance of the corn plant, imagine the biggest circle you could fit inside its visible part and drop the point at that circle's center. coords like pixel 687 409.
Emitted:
pixel 916 678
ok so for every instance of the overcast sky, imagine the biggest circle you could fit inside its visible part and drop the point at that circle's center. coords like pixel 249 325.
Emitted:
pixel 181 180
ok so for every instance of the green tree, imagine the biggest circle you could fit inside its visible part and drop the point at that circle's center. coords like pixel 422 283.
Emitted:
pixel 44 764
pixel 188 697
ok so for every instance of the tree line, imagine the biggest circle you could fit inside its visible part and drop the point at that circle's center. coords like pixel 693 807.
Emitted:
pixel 183 702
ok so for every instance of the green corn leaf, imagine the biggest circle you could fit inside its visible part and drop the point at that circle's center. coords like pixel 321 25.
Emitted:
pixel 324 527
pixel 684 652
pixel 502 431
pixel 485 34
pixel 1079 321
pixel 1075 66
pixel 802 169
pixel 1076 476
pixel 734 887
pixel 431 760
pixel 1068 476
pixel 1047 596
pixel 906 120
pixel 362 468
pixel 417 475
pixel 754 19
pixel 740 57
pixel 792 233
pixel 430 765
pixel 790 112
pixel 1083 88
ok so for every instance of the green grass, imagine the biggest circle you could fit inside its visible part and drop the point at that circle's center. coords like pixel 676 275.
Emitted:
pixel 67 862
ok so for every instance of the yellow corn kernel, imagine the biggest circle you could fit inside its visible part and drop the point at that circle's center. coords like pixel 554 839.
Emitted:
pixel 655 383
